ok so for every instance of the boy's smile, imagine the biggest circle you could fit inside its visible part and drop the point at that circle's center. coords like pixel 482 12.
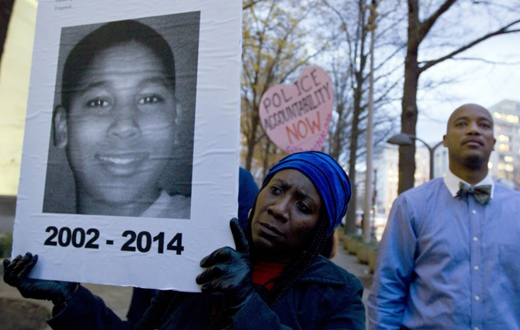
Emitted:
pixel 122 164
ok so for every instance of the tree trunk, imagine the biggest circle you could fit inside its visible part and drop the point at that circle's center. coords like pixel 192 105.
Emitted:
pixel 408 125
pixel 350 226
pixel 409 102
pixel 265 160
pixel 350 222
pixel 335 145
pixel 251 140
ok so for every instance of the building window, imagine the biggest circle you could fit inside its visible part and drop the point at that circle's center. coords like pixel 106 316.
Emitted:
pixel 506 117
pixel 503 147
pixel 505 167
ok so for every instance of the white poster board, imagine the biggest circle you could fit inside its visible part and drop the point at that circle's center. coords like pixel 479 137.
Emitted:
pixel 130 162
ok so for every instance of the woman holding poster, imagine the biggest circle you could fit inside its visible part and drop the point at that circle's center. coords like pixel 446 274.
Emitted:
pixel 274 279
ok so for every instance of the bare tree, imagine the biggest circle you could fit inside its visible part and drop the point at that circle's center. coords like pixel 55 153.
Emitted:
pixel 417 34
pixel 274 49
pixel 350 72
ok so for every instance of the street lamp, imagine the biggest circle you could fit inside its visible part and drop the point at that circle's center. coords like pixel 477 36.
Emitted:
pixel 405 139
pixel 370 125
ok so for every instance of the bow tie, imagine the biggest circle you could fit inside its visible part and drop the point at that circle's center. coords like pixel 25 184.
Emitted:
pixel 480 193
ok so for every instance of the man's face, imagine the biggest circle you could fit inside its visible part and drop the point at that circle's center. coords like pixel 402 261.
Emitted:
pixel 119 130
pixel 287 211
pixel 469 136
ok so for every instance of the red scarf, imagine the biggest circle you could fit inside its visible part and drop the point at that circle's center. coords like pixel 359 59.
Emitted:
pixel 264 273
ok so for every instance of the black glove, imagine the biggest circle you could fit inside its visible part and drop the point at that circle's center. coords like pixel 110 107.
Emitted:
pixel 15 274
pixel 228 272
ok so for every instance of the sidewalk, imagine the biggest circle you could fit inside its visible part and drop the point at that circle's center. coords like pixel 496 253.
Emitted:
pixel 116 297
pixel 352 265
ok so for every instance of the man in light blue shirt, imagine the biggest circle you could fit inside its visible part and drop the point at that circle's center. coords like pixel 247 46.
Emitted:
pixel 450 259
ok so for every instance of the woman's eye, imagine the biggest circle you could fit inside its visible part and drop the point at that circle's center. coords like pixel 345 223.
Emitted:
pixel 304 207
pixel 150 99
pixel 97 103
pixel 276 190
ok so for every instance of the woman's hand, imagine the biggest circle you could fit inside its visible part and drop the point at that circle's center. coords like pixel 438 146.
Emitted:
pixel 16 272
pixel 228 272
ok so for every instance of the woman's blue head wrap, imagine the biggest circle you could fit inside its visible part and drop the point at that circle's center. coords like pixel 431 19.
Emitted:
pixel 329 179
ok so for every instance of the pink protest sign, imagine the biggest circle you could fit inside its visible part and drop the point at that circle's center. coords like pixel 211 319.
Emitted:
pixel 297 117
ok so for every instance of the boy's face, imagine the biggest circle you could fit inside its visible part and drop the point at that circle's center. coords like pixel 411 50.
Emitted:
pixel 119 130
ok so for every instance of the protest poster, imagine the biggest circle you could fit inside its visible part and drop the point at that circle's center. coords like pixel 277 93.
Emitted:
pixel 297 117
pixel 128 175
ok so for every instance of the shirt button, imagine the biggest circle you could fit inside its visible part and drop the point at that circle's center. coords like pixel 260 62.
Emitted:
pixel 477 298
pixel 475 239
pixel 474 211
pixel 476 268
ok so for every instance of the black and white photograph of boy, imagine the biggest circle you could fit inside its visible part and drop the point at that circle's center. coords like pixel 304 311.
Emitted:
pixel 123 120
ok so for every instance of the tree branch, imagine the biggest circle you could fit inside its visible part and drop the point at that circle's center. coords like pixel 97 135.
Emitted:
pixel 502 30
pixel 430 21
pixel 250 4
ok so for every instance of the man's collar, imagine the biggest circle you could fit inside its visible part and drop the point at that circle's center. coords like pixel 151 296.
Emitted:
pixel 452 182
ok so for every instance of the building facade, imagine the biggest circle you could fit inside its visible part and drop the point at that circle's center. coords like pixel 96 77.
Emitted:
pixel 387 175
pixel 504 164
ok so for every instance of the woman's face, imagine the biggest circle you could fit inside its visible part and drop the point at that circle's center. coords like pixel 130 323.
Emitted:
pixel 287 212
pixel 120 128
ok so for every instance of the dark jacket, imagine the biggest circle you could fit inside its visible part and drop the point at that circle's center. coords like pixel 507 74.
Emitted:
pixel 325 297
